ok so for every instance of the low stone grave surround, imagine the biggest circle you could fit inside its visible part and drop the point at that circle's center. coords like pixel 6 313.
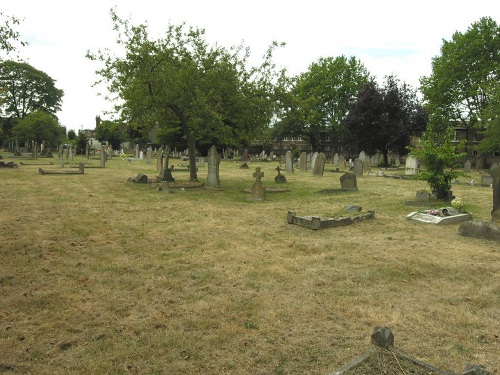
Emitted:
pixel 315 222
pixel 81 170
pixel 385 358
pixel 441 216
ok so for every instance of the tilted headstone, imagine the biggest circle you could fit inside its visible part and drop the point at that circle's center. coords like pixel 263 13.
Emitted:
pixel 289 162
pixel 303 162
pixel 319 165
pixel 358 167
pixel 411 165
pixel 213 179
pixel 348 182
pixel 467 166
pixel 495 213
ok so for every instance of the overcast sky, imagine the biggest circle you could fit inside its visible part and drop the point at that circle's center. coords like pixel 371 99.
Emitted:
pixel 388 36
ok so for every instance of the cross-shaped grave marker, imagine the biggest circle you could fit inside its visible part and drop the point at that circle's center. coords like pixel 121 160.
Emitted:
pixel 258 175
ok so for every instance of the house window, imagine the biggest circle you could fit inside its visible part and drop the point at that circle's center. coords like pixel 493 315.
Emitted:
pixel 474 152
pixel 458 136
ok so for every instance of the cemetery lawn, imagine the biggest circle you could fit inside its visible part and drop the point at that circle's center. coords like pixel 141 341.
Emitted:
pixel 103 276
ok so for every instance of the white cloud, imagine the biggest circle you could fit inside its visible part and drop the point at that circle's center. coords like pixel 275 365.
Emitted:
pixel 388 36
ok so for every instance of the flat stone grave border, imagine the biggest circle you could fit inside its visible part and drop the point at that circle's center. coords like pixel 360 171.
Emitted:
pixel 315 222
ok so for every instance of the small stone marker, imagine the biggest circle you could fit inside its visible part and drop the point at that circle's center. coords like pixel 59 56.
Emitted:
pixel 258 190
pixel 382 337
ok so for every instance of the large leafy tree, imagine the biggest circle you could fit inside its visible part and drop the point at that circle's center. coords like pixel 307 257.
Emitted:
pixel 26 89
pixel 39 126
pixel 320 98
pixel 491 120
pixel 455 92
pixel 384 119
pixel 111 132
pixel 182 81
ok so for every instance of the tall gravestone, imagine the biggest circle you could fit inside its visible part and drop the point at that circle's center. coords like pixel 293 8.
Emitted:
pixel 159 160
pixel 358 167
pixel 245 156
pixel 61 155
pixel 103 156
pixel 411 165
pixel 319 165
pixel 213 179
pixel 313 160
pixel 367 165
pixel 289 162
pixel 148 155
pixel 137 151
pixel 87 151
pixel 336 160
pixel 362 155
pixel 303 162
pixel 495 213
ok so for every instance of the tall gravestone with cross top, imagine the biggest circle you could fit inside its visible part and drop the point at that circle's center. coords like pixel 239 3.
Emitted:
pixel 258 190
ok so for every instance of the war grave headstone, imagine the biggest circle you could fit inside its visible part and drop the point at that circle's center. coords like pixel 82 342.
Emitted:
pixel 319 165
pixel 358 167
pixel 213 180
pixel 289 162
pixel 280 178
pixel 303 162
pixel 467 166
pixel 411 166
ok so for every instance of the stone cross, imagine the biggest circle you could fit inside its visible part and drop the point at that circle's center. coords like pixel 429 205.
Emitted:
pixel 258 175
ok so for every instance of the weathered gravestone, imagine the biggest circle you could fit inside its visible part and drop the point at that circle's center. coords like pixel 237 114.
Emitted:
pixel 245 156
pixel 303 162
pixel 103 157
pixel 411 167
pixel 258 190
pixel 166 172
pixel 336 160
pixel 213 179
pixel 319 165
pixel 341 163
pixel 495 213
pixel 362 155
pixel 159 160
pixel 348 182
pixel 367 165
pixel 467 166
pixel 313 160
pixel 289 162
pixel 279 179
pixel 358 167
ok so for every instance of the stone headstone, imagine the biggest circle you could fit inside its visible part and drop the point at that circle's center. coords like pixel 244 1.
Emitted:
pixel 336 160
pixel 289 162
pixel 367 165
pixel 341 163
pixel 467 166
pixel 141 155
pixel 313 160
pixel 486 230
pixel 411 165
pixel 148 155
pixel 245 156
pixel 358 167
pixel 279 179
pixel 348 182
pixel 397 161
pixel 137 151
pixel 213 179
pixel 303 162
pixel 319 165
pixel 362 155
pixel 258 190
pixel 493 166
pixel 103 156
pixel 159 160
pixel 495 213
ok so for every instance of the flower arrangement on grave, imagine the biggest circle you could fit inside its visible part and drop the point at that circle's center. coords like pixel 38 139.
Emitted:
pixel 458 203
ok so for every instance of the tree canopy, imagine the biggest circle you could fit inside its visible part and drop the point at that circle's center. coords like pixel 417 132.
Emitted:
pixel 26 89
pixel 9 36
pixel 39 126
pixel 181 81
pixel 109 131
pixel 319 99
pixel 384 119
pixel 455 92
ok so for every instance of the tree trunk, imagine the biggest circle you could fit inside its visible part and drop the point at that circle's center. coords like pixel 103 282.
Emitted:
pixel 385 154
pixel 193 175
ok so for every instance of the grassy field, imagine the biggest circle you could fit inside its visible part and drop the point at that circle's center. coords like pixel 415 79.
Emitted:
pixel 102 276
